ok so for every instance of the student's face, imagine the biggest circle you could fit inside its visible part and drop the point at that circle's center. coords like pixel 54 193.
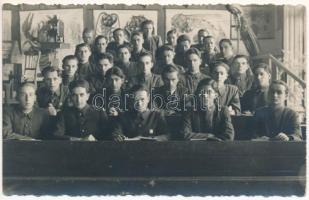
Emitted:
pixel 124 55
pixel 184 46
pixel 79 97
pixel 70 67
pixel 137 41
pixel 277 95
pixel 172 39
pixel 226 49
pixel 262 77
pixel 141 100
pixel 210 44
pixel 171 80
pixel 208 95
pixel 83 54
pixel 119 37
pixel 193 63
pixel 168 57
pixel 147 30
pixel 201 36
pixel 220 74
pixel 146 64
pixel 240 65
pixel 88 37
pixel 101 45
pixel 104 65
pixel 116 82
pixel 52 81
pixel 27 97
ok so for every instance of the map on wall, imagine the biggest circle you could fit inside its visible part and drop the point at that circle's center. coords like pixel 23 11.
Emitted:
pixel 34 23
pixel 106 21
pixel 216 22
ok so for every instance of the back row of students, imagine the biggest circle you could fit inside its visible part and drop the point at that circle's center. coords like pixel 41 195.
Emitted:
pixel 120 90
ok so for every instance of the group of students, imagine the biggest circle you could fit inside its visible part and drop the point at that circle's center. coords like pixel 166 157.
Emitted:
pixel 146 90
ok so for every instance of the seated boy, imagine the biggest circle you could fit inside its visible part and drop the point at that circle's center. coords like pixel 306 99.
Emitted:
pixel 98 81
pixel 275 121
pixel 25 120
pixel 193 75
pixel 171 38
pixel 81 121
pixel 241 74
pixel 210 54
pixel 129 68
pixel 183 44
pixel 85 68
pixel 137 41
pixel 201 34
pixel 53 94
pixel 147 78
pixel 119 39
pixel 228 94
pixel 170 96
pixel 69 66
pixel 256 97
pixel 139 121
pixel 210 121
pixel 166 55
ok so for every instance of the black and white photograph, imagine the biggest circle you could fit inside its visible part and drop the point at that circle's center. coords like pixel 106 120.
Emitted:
pixel 102 99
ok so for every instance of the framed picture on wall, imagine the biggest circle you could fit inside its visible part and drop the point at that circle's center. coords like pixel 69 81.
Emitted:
pixel 106 21
pixel 189 21
pixel 261 19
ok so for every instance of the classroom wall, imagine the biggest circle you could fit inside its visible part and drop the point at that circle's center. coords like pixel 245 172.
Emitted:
pixel 273 46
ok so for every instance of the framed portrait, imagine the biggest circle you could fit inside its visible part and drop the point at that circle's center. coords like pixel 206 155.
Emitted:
pixel 106 21
pixel 189 21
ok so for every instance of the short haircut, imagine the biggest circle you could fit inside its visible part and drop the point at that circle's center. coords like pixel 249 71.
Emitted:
pixel 202 30
pixel 79 46
pixel 170 32
pixel 167 48
pixel 116 30
pixel 279 82
pixel 138 88
pixel 49 69
pixel 208 37
pixel 107 56
pixel 69 57
pixel 143 54
pixel 115 71
pixel 139 33
pixel 146 22
pixel 206 82
pixel 168 68
pixel 99 37
pixel 225 40
pixel 222 64
pixel 183 38
pixel 240 56
pixel 263 66
pixel 192 50
pixel 87 30
pixel 25 84
pixel 79 83
pixel 123 46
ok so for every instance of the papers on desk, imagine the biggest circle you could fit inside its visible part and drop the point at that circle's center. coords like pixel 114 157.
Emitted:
pixel 141 138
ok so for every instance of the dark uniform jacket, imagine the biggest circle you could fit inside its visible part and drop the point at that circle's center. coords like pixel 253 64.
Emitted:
pixel 112 48
pixel 75 123
pixel 147 124
pixel 191 81
pixel 220 124
pixel 18 125
pixel 271 121
pixel 150 82
pixel 253 99
pixel 57 99
pixel 243 82
pixel 229 96
pixel 136 55
pixel 152 44
pixel 86 70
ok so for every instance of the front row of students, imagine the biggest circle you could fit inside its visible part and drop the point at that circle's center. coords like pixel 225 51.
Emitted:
pixel 207 118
